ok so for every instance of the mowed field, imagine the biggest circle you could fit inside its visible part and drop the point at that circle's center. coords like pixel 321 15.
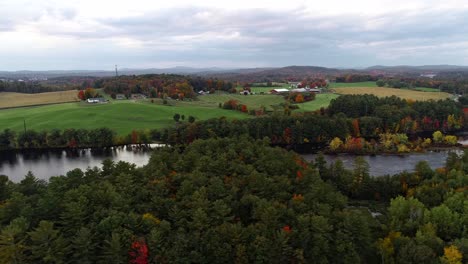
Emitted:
pixel 356 84
pixel 251 101
pixel 8 100
pixel 402 93
pixel 321 100
pixel 120 116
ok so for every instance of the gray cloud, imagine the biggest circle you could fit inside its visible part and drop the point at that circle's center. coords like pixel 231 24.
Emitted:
pixel 203 36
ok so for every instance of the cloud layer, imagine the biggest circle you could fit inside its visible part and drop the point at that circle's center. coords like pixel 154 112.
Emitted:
pixel 90 35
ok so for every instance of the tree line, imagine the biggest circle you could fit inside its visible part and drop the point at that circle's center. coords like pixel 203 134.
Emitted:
pixel 32 87
pixel 163 85
pixel 364 116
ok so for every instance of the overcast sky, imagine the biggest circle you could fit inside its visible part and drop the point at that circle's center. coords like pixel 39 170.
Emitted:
pixel 96 34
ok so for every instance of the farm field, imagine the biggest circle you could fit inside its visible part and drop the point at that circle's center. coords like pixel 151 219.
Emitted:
pixel 356 84
pixel 251 101
pixel 120 116
pixel 8 100
pixel 321 100
pixel 426 89
pixel 402 93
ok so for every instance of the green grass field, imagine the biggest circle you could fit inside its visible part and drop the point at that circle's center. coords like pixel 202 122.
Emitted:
pixel 252 101
pixel 321 100
pixel 356 84
pixel 120 116
pixel 426 89
pixel 123 116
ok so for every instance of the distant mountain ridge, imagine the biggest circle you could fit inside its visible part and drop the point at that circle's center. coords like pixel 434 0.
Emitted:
pixel 241 74
pixel 437 68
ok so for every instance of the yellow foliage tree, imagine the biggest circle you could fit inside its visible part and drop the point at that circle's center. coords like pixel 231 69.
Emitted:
pixel 386 248
pixel 336 144
pixel 451 140
pixel 438 137
pixel 451 255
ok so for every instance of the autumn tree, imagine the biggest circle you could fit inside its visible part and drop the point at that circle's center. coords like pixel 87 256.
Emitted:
pixel 299 98
pixel 81 95
pixel 451 255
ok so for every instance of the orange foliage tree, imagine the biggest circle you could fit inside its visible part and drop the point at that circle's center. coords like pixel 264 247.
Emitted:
pixel 299 98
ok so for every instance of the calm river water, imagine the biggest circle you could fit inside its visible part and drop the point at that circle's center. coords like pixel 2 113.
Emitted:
pixel 390 164
pixel 45 164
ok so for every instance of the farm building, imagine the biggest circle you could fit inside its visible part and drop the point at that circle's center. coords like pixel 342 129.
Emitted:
pixel 279 91
pixel 299 90
pixel 306 90
pixel 293 84
pixel 96 100
pixel 138 96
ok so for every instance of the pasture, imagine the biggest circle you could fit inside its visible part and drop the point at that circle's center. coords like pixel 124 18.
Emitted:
pixel 120 116
pixel 321 100
pixel 426 89
pixel 402 93
pixel 251 101
pixel 8 100
pixel 333 85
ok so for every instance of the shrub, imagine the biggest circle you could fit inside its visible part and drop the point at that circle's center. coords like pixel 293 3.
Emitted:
pixel 336 144
pixel 451 140
pixel 438 137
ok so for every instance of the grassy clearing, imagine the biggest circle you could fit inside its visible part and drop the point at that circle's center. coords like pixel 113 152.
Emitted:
pixel 321 100
pixel 252 101
pixel 8 100
pixel 426 89
pixel 356 84
pixel 383 92
pixel 120 116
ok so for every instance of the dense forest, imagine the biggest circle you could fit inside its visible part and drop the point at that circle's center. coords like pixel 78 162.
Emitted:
pixel 236 200
pixel 364 116
pixel 163 85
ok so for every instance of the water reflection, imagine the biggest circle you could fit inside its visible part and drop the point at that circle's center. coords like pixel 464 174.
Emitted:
pixel 57 162
pixel 390 164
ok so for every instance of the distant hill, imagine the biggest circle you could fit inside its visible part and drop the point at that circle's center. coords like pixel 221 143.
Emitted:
pixel 423 68
pixel 292 73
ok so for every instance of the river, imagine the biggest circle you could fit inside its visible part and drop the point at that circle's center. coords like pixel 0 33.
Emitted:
pixel 390 164
pixel 45 164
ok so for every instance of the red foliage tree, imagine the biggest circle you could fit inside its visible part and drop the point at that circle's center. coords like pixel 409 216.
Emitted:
pixel 138 252
pixel 244 108
pixel 134 137
pixel 356 131
pixel 72 143
pixel 81 95
pixel 299 175
pixel 287 135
